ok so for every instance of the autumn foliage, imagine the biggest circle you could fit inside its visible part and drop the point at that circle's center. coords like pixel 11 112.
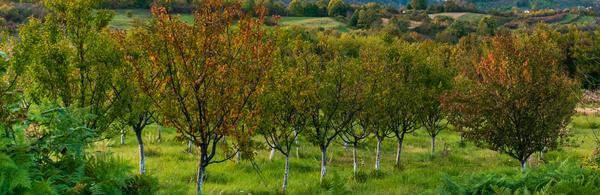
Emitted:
pixel 518 100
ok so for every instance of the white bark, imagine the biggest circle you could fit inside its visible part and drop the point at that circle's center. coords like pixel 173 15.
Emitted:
pixel 399 154
pixel 355 164
pixel 323 163
pixel 200 177
pixel 297 144
pixel 523 165
pixel 123 136
pixel 141 152
pixel 272 154
pixel 190 144
pixel 378 154
pixel 286 173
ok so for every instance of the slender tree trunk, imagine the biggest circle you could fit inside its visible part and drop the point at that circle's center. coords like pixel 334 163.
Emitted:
pixel 432 145
pixel 272 154
pixel 190 144
pixel 323 163
pixel 399 154
pixel 286 173
pixel 542 152
pixel 345 145
pixel 159 133
pixel 138 135
pixel 378 154
pixel 523 165
pixel 297 145
pixel 355 164
pixel 123 136
pixel 201 171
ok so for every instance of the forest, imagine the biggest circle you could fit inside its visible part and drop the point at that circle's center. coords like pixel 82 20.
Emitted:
pixel 297 97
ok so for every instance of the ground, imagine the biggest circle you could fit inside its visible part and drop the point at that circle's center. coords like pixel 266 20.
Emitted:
pixel 176 169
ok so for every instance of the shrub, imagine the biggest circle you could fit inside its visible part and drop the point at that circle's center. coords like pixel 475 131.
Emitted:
pixel 566 177
pixel 141 184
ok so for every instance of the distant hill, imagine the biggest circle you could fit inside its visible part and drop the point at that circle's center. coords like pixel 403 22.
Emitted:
pixel 502 4
pixel 532 4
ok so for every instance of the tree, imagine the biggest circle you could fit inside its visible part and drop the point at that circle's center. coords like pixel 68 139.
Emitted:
pixel 329 98
pixel 283 115
pixel 70 59
pixel 487 26
pixel 396 26
pixel 296 8
pixel 249 6
pixel 373 102
pixel 436 79
pixel 519 99
pixel 203 79
pixel 135 104
pixel 403 92
pixel 336 8
pixel 418 4
pixel 354 135
pixel 585 54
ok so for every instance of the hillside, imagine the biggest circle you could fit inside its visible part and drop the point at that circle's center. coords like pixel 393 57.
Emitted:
pixel 502 4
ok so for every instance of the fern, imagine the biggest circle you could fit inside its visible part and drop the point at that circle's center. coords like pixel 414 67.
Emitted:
pixel 555 178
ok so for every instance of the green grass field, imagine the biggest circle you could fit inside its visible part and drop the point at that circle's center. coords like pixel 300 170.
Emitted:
pixel 314 22
pixel 127 18
pixel 176 169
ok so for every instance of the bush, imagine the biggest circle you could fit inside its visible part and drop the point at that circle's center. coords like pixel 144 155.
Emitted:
pixel 141 184
pixel 554 178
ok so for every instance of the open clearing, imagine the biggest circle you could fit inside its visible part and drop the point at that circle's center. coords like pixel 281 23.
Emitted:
pixel 127 18
pixel 176 169
pixel 461 16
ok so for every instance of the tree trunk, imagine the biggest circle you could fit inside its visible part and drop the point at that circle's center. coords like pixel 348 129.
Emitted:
pixel 123 136
pixel 432 145
pixel 138 135
pixel 297 145
pixel 378 154
pixel 272 154
pixel 523 165
pixel 323 163
pixel 201 171
pixel 159 132
pixel 345 145
pixel 355 164
pixel 399 154
pixel 285 173
pixel 190 145
pixel 542 157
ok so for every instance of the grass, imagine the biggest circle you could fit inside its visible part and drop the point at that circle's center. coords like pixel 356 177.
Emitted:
pixel 472 17
pixel 126 18
pixel 315 22
pixel 123 21
pixel 176 169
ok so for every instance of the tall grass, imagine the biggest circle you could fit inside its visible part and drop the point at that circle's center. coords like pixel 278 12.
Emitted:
pixel 175 168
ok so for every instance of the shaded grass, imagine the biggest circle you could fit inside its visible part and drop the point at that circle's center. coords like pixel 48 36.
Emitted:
pixel 421 174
